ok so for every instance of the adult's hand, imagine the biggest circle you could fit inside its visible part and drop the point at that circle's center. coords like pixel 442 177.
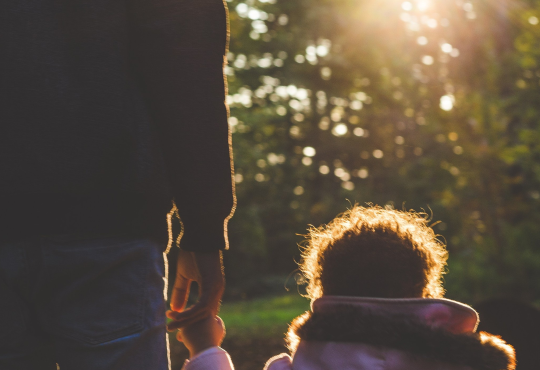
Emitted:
pixel 206 268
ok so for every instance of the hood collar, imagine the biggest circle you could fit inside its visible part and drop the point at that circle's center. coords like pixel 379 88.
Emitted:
pixel 446 314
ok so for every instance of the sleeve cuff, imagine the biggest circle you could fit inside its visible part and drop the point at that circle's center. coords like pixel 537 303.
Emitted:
pixel 214 358
pixel 205 236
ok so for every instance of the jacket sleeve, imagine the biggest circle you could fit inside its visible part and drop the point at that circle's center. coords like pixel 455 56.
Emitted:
pixel 214 358
pixel 178 51
pixel 280 362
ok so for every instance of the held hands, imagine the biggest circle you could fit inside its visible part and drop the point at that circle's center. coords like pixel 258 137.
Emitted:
pixel 207 270
pixel 202 335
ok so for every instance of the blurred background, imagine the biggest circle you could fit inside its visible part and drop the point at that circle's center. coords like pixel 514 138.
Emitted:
pixel 429 105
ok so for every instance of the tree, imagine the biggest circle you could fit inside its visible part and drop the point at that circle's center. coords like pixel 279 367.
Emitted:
pixel 416 104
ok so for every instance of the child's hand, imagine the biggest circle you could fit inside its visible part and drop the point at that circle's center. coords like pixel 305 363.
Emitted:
pixel 202 335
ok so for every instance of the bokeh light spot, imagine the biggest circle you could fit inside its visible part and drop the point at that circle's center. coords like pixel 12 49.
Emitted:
pixel 299 190
pixel 295 132
pixel 324 123
pixel 407 6
pixel 446 47
pixel 377 153
pixel 440 138
pixel 233 121
pixel 242 10
pixel 347 185
pixel 354 120
pixel 363 173
pixel 356 105
pixel 253 14
pixel 422 5
pixel 427 60
pixel 324 169
pixel 281 110
pixel 432 23
pixel 309 151
pixel 458 150
pixel 447 102
pixel 422 40
pixel 322 50
pixel 340 130
pixel 326 73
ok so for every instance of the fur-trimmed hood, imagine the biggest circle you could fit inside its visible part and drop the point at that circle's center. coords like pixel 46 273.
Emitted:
pixel 396 334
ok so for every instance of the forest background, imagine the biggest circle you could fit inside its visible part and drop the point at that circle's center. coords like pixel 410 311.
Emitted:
pixel 428 105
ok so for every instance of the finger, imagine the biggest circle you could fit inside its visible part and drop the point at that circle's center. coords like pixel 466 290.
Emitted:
pixel 188 317
pixel 210 297
pixel 212 282
pixel 171 314
pixel 185 321
pixel 179 336
pixel 175 325
pixel 195 310
pixel 180 293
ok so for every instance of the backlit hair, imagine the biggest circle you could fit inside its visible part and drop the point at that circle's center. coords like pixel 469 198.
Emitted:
pixel 374 252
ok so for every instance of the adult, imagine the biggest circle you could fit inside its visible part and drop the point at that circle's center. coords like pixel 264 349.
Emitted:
pixel 110 110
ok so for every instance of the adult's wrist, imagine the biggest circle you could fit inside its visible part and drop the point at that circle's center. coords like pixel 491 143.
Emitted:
pixel 204 235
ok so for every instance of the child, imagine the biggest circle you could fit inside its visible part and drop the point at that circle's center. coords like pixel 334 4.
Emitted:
pixel 374 279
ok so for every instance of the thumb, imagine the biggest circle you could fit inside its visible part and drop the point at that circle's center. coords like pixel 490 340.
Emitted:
pixel 180 293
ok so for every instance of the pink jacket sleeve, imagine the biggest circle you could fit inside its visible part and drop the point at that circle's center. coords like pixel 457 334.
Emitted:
pixel 280 362
pixel 216 358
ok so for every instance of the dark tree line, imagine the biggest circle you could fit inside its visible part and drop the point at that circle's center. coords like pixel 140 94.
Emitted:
pixel 425 105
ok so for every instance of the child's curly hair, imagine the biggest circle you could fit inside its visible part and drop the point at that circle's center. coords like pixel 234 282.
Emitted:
pixel 371 252
pixel 374 252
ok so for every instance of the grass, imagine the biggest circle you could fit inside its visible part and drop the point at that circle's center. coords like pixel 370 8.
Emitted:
pixel 264 316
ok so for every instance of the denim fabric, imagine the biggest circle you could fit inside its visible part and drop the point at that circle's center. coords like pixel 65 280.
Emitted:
pixel 84 304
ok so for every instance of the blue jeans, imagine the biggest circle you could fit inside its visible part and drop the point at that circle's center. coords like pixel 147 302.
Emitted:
pixel 84 304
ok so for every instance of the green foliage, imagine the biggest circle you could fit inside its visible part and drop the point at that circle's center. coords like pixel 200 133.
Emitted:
pixel 262 317
pixel 389 102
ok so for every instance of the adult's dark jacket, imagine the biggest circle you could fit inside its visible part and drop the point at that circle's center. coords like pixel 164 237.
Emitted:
pixel 109 110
